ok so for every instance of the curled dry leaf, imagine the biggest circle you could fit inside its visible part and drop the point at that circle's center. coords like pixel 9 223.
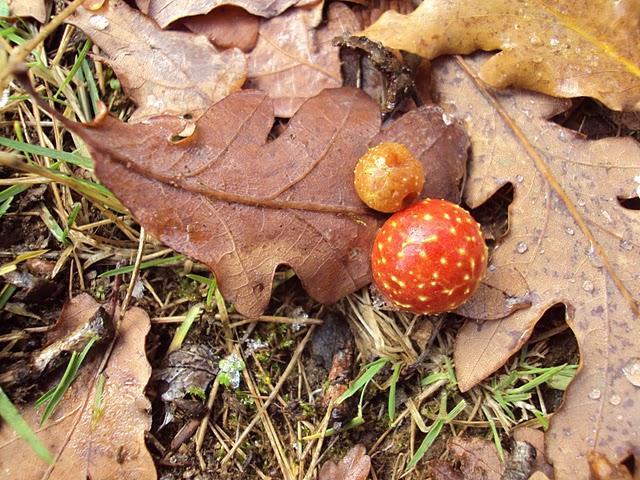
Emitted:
pixel 191 366
pixel 108 446
pixel 165 12
pixel 28 8
pixel 243 206
pixel 354 466
pixel 293 60
pixel 226 27
pixel 162 72
pixel 574 244
pixel 561 48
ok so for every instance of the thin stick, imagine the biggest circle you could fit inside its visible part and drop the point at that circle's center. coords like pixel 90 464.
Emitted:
pixel 136 271
pixel 202 429
pixel 272 395
pixel 19 54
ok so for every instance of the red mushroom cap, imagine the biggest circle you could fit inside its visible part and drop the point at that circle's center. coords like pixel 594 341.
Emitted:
pixel 429 257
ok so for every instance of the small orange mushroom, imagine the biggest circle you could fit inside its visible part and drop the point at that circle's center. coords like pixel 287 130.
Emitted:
pixel 388 177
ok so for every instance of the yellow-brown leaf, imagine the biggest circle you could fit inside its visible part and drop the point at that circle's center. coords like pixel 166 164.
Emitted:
pixel 573 242
pixel 562 48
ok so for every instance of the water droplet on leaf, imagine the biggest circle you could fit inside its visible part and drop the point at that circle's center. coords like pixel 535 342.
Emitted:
pixel 98 22
pixel 626 245
pixel 522 247
pixel 594 394
pixel 631 371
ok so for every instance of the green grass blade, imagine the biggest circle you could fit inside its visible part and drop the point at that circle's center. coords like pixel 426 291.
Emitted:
pixel 494 433
pixel 562 379
pixel 370 372
pixel 10 414
pixel 5 206
pixel 181 332
pixel 539 380
pixel 71 220
pixel 391 405
pixel 92 87
pixel 211 286
pixel 67 157
pixel 74 69
pixel 158 262
pixel 433 378
pixel 6 293
pixel 53 399
pixel 52 224
pixel 428 440
pixel 10 192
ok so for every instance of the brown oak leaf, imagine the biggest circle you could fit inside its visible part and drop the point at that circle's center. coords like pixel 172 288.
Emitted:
pixel 28 8
pixel 293 60
pixel 355 465
pixel 108 446
pixel 165 12
pixel 162 72
pixel 226 27
pixel 562 48
pixel 573 242
pixel 242 206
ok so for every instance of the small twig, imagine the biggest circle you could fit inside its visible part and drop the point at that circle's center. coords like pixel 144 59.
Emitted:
pixel 136 271
pixel 422 396
pixel 272 395
pixel 320 441
pixel 399 78
pixel 19 54
pixel 202 429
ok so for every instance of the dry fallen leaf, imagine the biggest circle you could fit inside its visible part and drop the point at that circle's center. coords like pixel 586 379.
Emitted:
pixel 162 72
pixel 110 446
pixel 293 60
pixel 226 27
pixel 28 8
pixel 602 469
pixel 243 207
pixel 574 244
pixel 478 458
pixel 354 466
pixel 561 48
pixel 165 12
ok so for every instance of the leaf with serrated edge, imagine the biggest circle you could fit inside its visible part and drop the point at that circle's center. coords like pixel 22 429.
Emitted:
pixel 562 48
pixel 293 60
pixel 110 448
pixel 244 205
pixel 574 244
pixel 162 72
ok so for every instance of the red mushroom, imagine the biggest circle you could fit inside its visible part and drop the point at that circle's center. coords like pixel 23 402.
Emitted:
pixel 429 257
